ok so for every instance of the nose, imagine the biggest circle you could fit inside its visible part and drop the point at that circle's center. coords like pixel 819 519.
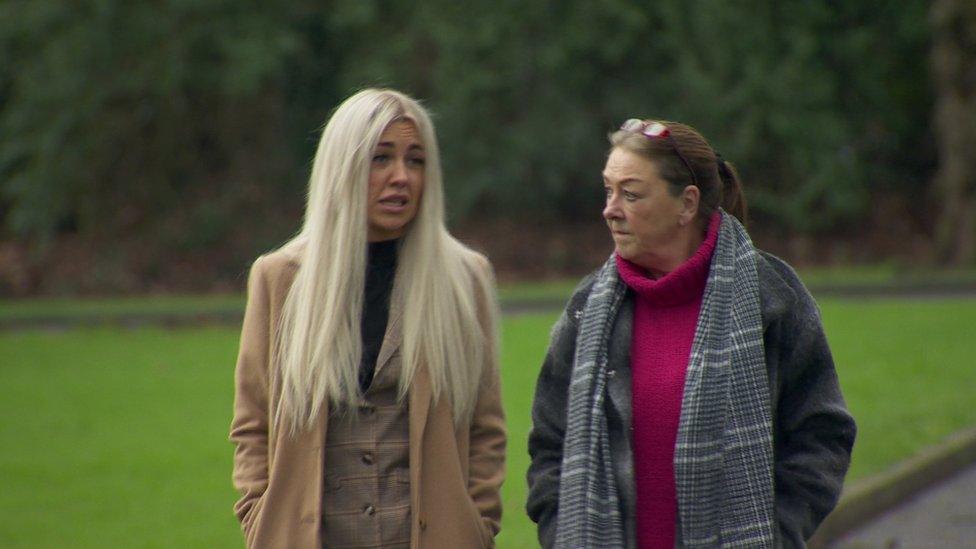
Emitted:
pixel 612 210
pixel 399 176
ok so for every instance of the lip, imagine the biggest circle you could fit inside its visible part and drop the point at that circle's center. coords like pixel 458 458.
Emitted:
pixel 394 203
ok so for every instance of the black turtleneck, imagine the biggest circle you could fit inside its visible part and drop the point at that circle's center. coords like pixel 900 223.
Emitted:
pixel 381 266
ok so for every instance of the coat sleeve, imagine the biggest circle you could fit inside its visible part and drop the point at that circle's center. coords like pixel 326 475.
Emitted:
pixel 549 422
pixel 249 427
pixel 486 459
pixel 814 432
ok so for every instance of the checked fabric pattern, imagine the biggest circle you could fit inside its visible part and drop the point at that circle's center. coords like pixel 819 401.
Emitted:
pixel 723 455
pixel 589 508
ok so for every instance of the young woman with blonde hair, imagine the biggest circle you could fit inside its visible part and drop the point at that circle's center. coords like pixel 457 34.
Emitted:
pixel 367 407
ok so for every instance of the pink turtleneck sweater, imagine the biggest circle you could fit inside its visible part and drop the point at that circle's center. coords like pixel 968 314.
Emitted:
pixel 665 316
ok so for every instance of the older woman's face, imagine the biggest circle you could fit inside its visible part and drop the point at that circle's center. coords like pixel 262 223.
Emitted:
pixel 646 221
pixel 396 181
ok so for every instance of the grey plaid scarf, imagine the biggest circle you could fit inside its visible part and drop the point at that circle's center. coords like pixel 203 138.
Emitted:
pixel 723 456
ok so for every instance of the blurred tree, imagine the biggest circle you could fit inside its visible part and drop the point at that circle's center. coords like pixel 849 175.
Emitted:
pixel 954 60
pixel 819 103
pixel 756 80
pixel 825 105
pixel 154 134
pixel 152 128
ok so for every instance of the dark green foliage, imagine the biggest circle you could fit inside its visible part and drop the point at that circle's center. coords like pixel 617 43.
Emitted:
pixel 184 129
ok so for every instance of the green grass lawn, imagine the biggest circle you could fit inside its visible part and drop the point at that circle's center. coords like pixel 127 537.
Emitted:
pixel 884 275
pixel 117 438
pixel 69 309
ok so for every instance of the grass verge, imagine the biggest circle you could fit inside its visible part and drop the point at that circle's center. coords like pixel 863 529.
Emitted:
pixel 885 276
pixel 116 437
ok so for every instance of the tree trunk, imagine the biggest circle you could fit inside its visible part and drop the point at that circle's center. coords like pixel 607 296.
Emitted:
pixel 954 72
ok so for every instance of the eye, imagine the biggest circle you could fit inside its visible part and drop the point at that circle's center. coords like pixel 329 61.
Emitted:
pixel 417 161
pixel 608 191
pixel 381 158
pixel 630 197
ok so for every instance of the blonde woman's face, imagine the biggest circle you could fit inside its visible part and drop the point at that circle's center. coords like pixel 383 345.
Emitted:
pixel 396 181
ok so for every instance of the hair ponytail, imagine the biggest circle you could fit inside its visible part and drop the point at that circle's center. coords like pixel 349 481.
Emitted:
pixel 733 199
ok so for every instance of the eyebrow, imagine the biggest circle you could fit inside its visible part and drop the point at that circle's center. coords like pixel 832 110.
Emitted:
pixel 624 181
pixel 412 147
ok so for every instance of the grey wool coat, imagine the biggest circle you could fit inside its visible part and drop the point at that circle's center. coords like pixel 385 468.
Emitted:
pixel 812 431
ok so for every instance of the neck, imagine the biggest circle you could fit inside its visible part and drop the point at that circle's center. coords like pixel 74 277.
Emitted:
pixel 677 252
pixel 383 252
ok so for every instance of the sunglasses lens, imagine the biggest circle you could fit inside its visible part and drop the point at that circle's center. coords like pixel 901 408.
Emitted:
pixel 632 125
pixel 656 130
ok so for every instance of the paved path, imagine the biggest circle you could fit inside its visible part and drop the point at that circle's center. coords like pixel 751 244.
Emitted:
pixel 941 516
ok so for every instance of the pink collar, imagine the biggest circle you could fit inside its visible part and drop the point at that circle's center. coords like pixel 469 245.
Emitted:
pixel 681 285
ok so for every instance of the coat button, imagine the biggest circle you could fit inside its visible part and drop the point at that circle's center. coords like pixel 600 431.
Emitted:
pixel 368 458
pixel 369 510
pixel 423 524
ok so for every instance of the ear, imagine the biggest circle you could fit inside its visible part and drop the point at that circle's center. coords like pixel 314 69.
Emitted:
pixel 690 197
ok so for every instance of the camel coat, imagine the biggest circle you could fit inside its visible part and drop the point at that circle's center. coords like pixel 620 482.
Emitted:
pixel 455 475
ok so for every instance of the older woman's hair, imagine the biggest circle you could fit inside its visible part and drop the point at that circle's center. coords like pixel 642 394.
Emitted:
pixel 717 180
pixel 318 345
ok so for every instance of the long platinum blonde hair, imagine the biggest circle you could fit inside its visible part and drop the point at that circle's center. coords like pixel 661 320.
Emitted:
pixel 438 283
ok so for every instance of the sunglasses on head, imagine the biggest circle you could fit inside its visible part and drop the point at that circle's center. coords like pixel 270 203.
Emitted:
pixel 657 130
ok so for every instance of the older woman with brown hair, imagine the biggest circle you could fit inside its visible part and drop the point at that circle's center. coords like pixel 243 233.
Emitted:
pixel 688 397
